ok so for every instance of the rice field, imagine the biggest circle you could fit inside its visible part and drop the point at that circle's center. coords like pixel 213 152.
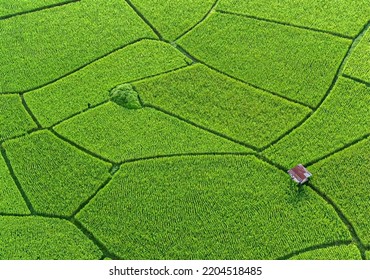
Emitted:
pixel 137 129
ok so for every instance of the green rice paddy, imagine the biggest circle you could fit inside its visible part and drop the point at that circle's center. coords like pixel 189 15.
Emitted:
pixel 137 129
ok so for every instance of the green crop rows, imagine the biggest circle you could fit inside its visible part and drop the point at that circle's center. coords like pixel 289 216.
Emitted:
pixel 15 7
pixel 137 129
pixel 346 252
pixel 207 215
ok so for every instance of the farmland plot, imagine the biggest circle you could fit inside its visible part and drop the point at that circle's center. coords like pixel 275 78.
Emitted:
pixel 343 17
pixel 164 129
pixel 41 47
pixel 212 100
pixel 92 84
pixel 56 177
pixel 11 201
pixel 173 18
pixel 32 238
pixel 219 212
pixel 295 63
pixel 346 252
pixel 347 184
pixel 10 8
pixel 14 119
pixel 358 66
pixel 341 119
pixel 122 134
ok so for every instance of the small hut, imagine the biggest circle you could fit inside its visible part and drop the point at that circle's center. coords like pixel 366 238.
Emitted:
pixel 299 174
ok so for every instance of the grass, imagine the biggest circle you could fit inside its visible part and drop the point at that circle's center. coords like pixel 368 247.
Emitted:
pixel 357 65
pixel 11 201
pixel 219 212
pixel 175 17
pixel 340 120
pixel 93 83
pixel 136 129
pixel 40 47
pixel 14 119
pixel 123 134
pixel 56 176
pixel 343 17
pixel 34 238
pixel 344 252
pixel 343 177
pixel 295 63
pixel 14 7
pixel 212 100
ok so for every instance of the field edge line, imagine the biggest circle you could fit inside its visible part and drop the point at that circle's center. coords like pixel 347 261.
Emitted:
pixel 335 34
pixel 216 133
pixel 204 18
pixel 197 60
pixel 104 250
pixel 16 181
pixel 338 74
pixel 356 239
pixel 79 147
pixel 315 247
pixel 338 150
pixel 39 9
pixel 145 20
pixel 25 92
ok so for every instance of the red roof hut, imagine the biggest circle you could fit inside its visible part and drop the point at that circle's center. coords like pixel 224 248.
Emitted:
pixel 299 174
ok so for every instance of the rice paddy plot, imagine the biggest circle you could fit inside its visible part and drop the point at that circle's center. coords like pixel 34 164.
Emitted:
pixel 344 178
pixel 40 47
pixel 343 17
pixel 14 120
pixel 120 134
pixel 173 17
pixel 215 101
pixel 137 129
pixel 358 63
pixel 11 201
pixel 35 238
pixel 56 177
pixel 208 207
pixel 341 119
pixel 341 252
pixel 92 84
pixel 14 7
pixel 295 63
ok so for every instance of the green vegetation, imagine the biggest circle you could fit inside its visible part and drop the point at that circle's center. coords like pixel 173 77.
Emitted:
pixel 207 207
pixel 92 84
pixel 125 96
pixel 212 100
pixel 161 129
pixel 341 119
pixel 299 64
pixel 112 131
pixel 11 201
pixel 33 238
pixel 345 17
pixel 358 64
pixel 343 252
pixel 40 47
pixel 344 178
pixel 11 7
pixel 56 177
pixel 173 17
pixel 14 119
